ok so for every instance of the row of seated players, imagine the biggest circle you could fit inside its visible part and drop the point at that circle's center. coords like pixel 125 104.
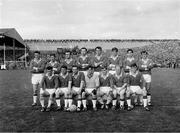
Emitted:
pixel 38 66
pixel 103 88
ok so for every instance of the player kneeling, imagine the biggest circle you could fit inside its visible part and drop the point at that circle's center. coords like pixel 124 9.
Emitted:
pixel 120 81
pixel 49 85
pixel 65 81
pixel 104 93
pixel 135 79
pixel 77 85
pixel 91 85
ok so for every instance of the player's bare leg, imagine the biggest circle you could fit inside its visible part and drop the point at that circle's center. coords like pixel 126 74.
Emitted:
pixel 145 101
pixel 84 101
pixel 58 101
pixel 35 94
pixel 66 101
pixel 42 102
pixel 121 93
pixel 94 100
pixel 50 102
pixel 128 94
pixel 114 101
pixel 148 87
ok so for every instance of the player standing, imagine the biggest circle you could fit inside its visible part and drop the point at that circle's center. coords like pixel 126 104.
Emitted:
pixel 120 82
pixel 64 89
pixel 53 63
pixel 78 80
pixel 145 66
pixel 114 60
pixel 104 93
pixel 49 85
pixel 91 86
pixel 37 67
pixel 136 80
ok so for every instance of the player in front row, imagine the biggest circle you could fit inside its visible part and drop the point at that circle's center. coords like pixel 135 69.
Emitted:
pixel 65 81
pixel 120 81
pixel 49 85
pixel 136 86
pixel 37 67
pixel 91 86
pixel 104 93
pixel 78 80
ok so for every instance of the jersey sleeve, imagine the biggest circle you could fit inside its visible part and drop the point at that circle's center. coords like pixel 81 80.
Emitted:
pixel 43 84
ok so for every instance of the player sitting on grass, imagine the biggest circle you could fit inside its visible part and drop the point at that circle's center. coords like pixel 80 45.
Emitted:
pixel 77 85
pixel 134 87
pixel 65 81
pixel 91 85
pixel 145 66
pixel 120 82
pixel 83 60
pixel 37 67
pixel 49 85
pixel 104 93
pixel 114 60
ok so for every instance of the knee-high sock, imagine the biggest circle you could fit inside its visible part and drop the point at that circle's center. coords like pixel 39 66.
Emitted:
pixel 35 99
pixel 58 101
pixel 42 102
pixel 49 102
pixel 79 103
pixel 65 102
pixel 121 102
pixel 149 98
pixel 70 102
pixel 114 102
pixel 84 103
pixel 129 102
pixel 94 103
pixel 145 101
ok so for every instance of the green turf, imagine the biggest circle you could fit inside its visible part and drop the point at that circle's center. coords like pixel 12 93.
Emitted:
pixel 16 113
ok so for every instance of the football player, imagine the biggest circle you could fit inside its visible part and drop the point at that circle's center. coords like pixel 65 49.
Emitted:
pixel 64 88
pixel 78 80
pixel 145 66
pixel 37 67
pixel 99 60
pixel 49 85
pixel 68 61
pixel 136 82
pixel 120 82
pixel 114 60
pixel 104 93
pixel 53 63
pixel 83 60
pixel 91 86
pixel 129 60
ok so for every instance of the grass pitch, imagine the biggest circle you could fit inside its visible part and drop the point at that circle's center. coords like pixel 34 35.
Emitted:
pixel 16 113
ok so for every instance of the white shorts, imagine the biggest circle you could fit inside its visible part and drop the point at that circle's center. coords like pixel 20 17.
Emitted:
pixel 147 78
pixel 97 73
pixel 36 78
pixel 89 90
pixel 112 72
pixel 47 92
pixel 63 90
pixel 136 90
pixel 75 89
pixel 105 90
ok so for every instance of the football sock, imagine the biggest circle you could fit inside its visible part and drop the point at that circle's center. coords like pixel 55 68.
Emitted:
pixel 94 103
pixel 84 103
pixel 58 101
pixel 79 103
pixel 145 101
pixel 49 103
pixel 42 102
pixel 121 102
pixel 114 102
pixel 70 102
pixel 141 99
pixel 149 98
pixel 65 103
pixel 34 99
pixel 129 102
pixel 135 98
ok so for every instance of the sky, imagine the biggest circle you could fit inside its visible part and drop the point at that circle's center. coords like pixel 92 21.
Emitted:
pixel 92 19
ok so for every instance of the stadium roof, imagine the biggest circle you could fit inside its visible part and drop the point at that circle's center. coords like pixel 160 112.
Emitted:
pixel 9 34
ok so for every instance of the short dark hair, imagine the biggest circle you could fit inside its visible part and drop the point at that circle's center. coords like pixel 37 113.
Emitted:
pixel 68 52
pixel 38 52
pixel 144 52
pixel 130 50
pixel 100 48
pixel 134 65
pixel 52 55
pixel 75 66
pixel 84 48
pixel 63 66
pixel 114 49
pixel 49 68
pixel 90 67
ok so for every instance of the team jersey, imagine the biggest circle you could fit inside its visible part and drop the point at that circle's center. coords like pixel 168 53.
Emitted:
pixel 39 64
pixel 81 61
pixel 105 80
pixel 128 62
pixel 145 66
pixel 55 66
pixel 99 59
pixel 113 61
pixel 69 63
pixel 49 82
pixel 91 81
pixel 135 80
pixel 76 79
pixel 64 80
pixel 119 80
